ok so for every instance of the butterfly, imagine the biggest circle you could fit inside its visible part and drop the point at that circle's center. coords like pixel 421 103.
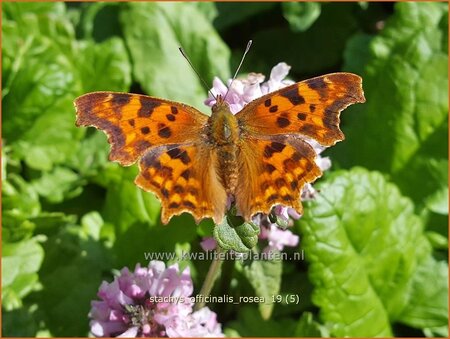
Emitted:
pixel 194 162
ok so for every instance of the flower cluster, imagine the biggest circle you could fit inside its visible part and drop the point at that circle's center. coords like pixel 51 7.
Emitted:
pixel 152 301
pixel 241 92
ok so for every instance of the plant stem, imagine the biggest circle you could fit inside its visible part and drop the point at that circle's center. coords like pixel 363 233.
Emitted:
pixel 226 276
pixel 210 278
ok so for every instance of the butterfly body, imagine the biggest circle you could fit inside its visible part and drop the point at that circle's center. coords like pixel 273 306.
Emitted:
pixel 224 137
pixel 260 156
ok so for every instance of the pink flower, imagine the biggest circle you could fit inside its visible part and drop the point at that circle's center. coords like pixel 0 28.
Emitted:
pixel 242 92
pixel 278 238
pixel 151 301
pixel 202 323
pixel 208 244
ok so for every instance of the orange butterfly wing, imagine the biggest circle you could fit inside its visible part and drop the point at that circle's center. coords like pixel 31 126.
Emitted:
pixel 274 162
pixel 310 108
pixel 134 123
pixel 184 178
pixel 273 171
pixel 168 137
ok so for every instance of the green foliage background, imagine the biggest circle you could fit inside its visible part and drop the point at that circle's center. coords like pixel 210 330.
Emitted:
pixel 375 239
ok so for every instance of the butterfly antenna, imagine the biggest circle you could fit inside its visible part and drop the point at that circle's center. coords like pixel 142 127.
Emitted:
pixel 183 53
pixel 239 67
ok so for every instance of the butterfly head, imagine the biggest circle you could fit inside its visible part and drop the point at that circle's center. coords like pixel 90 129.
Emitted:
pixel 220 105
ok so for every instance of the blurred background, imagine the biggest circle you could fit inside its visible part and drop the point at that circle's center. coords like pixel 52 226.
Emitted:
pixel 376 237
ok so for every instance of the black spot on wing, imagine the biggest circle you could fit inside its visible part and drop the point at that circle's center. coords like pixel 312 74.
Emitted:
pixel 319 85
pixel 293 96
pixel 170 117
pixel 301 116
pixel 165 192
pixel 178 189
pixel 188 204
pixel 273 109
pixel 273 197
pixel 120 99
pixel 147 107
pixel 269 168
pixel 186 174
pixel 164 131
pixel 283 122
pixel 176 153
pixel 287 197
pixel 274 147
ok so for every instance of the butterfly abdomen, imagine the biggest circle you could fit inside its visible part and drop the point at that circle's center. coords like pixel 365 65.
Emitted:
pixel 227 167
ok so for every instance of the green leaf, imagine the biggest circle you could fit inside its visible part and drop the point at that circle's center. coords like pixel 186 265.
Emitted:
pixel 20 264
pixel 357 53
pixel 40 98
pixel 59 184
pixel 437 240
pixel 309 328
pixel 100 20
pixel 49 221
pixel 153 33
pixel 428 305
pixel 233 13
pixel 152 242
pixel 363 242
pixel 92 157
pixel 249 323
pixel 16 226
pixel 19 323
pixel 241 238
pixel 46 68
pixel 209 9
pixel 18 195
pixel 110 59
pixel 20 202
pixel 363 4
pixel 277 43
pixel 437 202
pixel 436 332
pixel 301 15
pixel 92 224
pixel 75 265
pixel 265 277
pixel 127 204
pixel 402 129
pixel 5 160
pixel 13 10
